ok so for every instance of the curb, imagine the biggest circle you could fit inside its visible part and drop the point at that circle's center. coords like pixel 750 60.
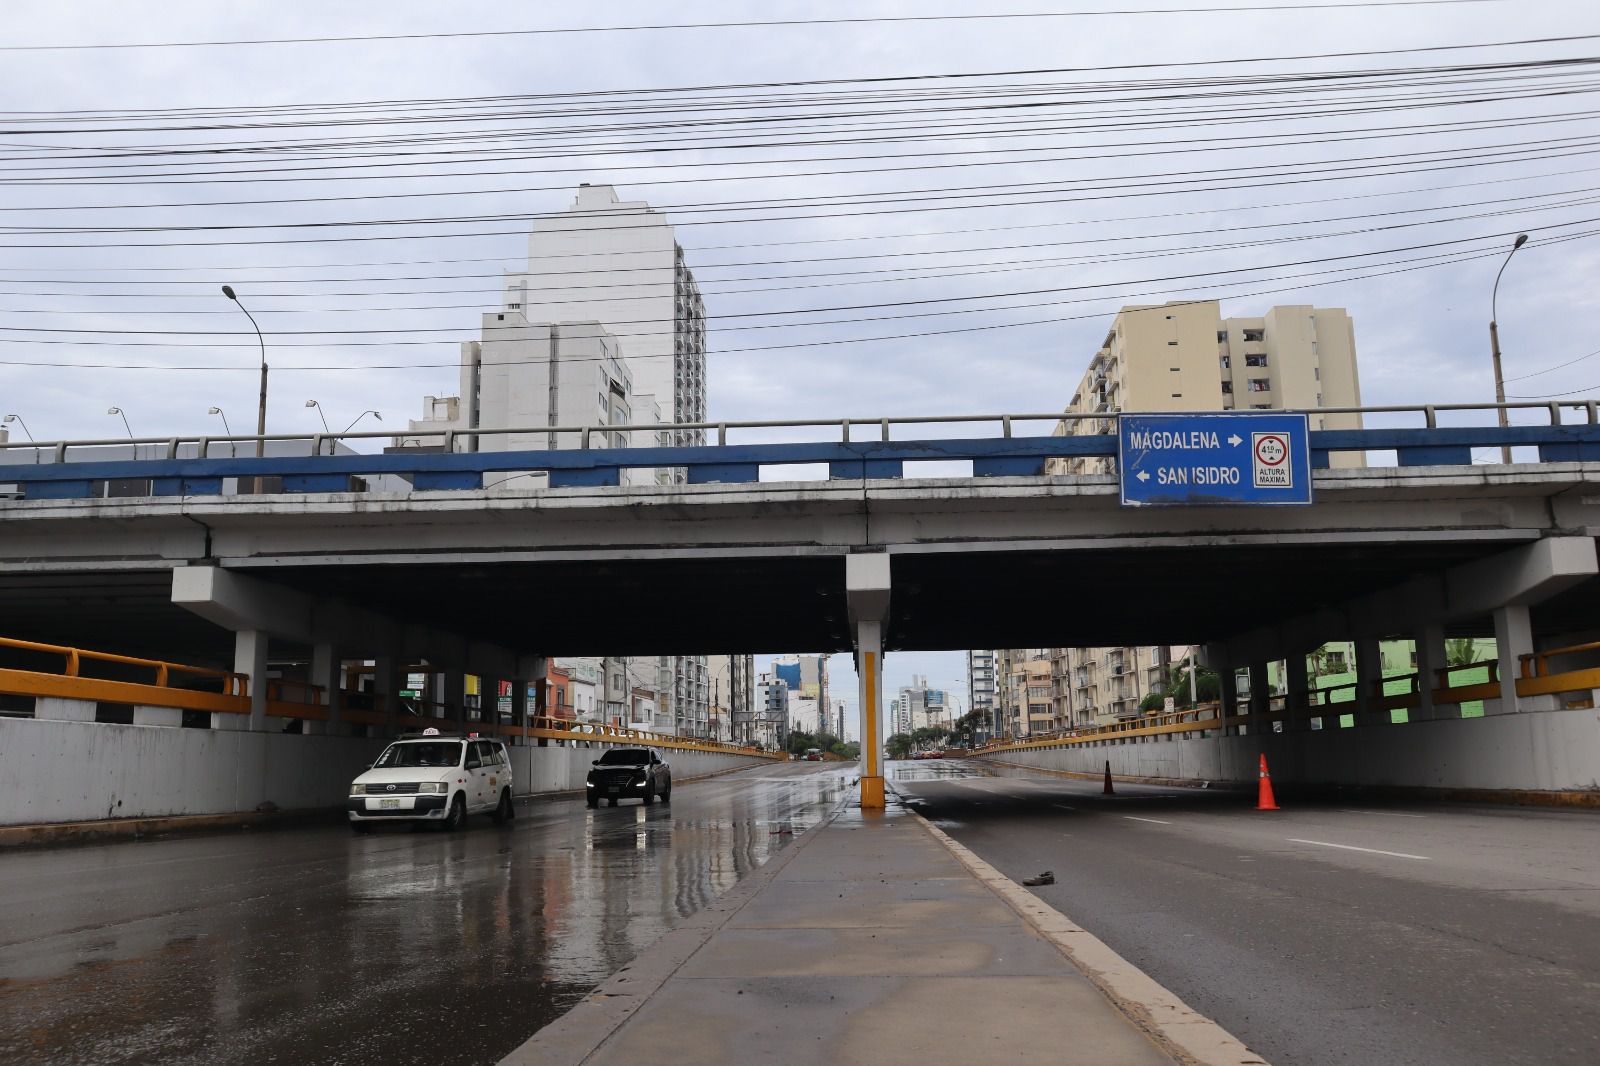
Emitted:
pixel 52 834
pixel 1178 1029
pixel 576 1035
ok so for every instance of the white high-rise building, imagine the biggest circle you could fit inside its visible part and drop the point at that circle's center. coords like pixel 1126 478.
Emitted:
pixel 981 687
pixel 618 263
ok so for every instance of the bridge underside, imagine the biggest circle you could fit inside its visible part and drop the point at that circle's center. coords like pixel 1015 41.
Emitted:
pixel 941 600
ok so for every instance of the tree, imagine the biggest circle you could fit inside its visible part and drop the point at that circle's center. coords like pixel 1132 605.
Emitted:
pixel 1176 685
pixel 899 745
pixel 1461 652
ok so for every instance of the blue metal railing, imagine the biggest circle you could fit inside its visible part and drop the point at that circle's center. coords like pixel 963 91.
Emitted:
pixel 53 473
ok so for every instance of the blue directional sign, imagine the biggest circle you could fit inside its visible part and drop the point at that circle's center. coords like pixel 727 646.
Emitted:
pixel 1241 457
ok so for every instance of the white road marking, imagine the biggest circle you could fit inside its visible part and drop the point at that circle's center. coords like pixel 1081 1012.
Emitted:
pixel 1063 806
pixel 1386 814
pixel 1352 847
pixel 1136 818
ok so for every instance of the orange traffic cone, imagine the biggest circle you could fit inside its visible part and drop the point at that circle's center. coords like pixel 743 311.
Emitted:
pixel 1108 790
pixel 1265 802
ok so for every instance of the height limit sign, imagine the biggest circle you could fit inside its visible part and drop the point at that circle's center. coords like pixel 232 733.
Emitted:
pixel 1272 469
pixel 1227 458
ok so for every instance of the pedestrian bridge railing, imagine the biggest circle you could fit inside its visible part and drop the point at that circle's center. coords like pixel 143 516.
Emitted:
pixel 575 456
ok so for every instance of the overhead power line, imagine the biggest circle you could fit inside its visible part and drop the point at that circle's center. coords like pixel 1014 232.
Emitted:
pixel 1298 7
pixel 832 343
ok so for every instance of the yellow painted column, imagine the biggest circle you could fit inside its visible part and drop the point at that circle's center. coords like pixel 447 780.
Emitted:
pixel 869 646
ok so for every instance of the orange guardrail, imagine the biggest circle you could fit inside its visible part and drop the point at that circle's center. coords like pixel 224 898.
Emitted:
pixel 69 682
pixel 1194 719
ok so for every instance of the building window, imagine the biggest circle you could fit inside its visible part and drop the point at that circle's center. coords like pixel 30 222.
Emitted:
pixel 1316 373
pixel 1227 388
pixel 1172 344
pixel 1177 396
pixel 1174 369
pixel 1255 360
pixel 1255 334
pixel 1222 336
pixel 1225 364
pixel 1260 385
pixel 1261 406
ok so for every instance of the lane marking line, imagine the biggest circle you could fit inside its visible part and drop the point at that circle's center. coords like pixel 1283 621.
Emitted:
pixel 1352 847
pixel 1385 814
pixel 1063 806
pixel 1136 818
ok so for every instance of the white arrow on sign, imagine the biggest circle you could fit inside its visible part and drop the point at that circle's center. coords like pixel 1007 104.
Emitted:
pixel 1235 440
pixel 1143 475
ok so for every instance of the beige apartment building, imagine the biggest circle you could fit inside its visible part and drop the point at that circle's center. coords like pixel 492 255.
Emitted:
pixel 1022 682
pixel 1184 356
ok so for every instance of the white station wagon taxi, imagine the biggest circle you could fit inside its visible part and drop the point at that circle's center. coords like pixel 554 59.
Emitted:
pixel 434 777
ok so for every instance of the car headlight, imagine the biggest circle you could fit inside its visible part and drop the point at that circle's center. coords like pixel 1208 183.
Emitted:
pixel 643 781
pixel 434 787
pixel 358 789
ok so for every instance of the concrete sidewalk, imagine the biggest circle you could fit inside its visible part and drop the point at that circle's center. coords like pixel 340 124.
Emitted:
pixel 870 941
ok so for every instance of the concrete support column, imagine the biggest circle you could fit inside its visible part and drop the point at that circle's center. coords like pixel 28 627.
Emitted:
pixel 1228 685
pixel 386 692
pixel 1513 638
pixel 1430 660
pixel 58 709
pixel 869 673
pixel 1369 682
pixel 454 698
pixel 1297 682
pixel 162 716
pixel 541 693
pixel 250 658
pixel 1260 695
pixel 519 706
pixel 327 672
pixel 867 583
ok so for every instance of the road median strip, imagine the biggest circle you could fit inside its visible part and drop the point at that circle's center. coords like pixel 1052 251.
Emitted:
pixel 1179 1029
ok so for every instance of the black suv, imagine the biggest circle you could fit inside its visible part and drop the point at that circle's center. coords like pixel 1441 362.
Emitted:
pixel 626 773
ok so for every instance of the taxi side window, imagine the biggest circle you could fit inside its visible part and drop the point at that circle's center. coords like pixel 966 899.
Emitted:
pixel 474 755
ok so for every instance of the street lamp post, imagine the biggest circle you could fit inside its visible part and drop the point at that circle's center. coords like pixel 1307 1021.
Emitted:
pixel 233 447
pixel 1494 343
pixel 118 411
pixel 18 420
pixel 318 406
pixel 261 407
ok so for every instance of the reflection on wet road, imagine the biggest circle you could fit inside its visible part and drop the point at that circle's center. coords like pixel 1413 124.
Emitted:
pixel 317 946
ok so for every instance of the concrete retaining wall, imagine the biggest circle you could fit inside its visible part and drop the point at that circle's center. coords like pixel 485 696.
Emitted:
pixel 1541 751
pixel 72 771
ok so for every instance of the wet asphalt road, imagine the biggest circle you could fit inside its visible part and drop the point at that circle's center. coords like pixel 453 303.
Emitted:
pixel 1321 933
pixel 313 945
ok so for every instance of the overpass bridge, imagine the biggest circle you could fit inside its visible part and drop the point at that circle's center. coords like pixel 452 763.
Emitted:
pixel 429 563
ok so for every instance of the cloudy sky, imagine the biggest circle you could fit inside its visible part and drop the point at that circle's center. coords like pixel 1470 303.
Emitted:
pixel 887 217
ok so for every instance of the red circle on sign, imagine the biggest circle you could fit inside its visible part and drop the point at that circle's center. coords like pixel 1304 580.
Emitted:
pixel 1274 439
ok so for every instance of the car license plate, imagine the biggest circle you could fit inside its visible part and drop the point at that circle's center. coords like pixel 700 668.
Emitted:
pixel 613 791
pixel 388 805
